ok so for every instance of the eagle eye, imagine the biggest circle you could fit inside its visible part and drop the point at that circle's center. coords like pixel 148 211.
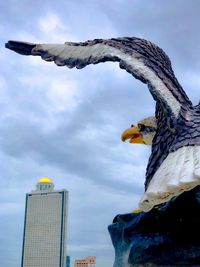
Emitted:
pixel 141 127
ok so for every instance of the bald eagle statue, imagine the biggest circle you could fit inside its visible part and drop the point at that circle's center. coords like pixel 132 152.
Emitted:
pixel 174 164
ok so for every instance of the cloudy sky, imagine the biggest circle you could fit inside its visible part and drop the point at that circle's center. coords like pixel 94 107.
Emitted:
pixel 66 124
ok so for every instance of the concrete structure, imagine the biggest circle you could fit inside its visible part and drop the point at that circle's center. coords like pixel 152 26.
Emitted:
pixel 87 262
pixel 44 240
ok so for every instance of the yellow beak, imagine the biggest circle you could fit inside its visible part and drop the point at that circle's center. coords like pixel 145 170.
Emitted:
pixel 133 134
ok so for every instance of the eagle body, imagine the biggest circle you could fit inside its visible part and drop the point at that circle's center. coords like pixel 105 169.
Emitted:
pixel 179 172
pixel 173 165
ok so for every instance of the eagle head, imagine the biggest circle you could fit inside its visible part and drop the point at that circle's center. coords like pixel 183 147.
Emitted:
pixel 142 133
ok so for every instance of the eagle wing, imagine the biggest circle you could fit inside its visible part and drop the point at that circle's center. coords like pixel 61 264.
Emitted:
pixel 143 59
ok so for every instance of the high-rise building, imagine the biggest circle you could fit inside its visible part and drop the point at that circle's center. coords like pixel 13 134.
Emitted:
pixel 45 226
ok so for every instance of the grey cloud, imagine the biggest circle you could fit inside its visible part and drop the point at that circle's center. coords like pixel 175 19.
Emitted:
pixel 82 146
pixel 11 240
pixel 173 25
pixel 60 148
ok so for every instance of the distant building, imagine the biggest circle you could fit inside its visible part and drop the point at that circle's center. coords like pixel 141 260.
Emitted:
pixel 68 261
pixel 87 262
pixel 45 226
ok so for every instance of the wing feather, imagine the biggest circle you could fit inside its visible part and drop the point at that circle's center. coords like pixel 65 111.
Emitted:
pixel 144 60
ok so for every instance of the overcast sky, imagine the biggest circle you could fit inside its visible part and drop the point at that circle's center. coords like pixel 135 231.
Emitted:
pixel 66 124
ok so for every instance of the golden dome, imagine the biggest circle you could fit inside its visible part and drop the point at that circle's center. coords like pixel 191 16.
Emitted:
pixel 45 180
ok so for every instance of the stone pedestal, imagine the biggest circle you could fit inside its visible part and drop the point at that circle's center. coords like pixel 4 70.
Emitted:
pixel 165 236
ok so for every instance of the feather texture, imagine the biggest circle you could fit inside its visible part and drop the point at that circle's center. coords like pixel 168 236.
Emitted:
pixel 132 55
pixel 179 172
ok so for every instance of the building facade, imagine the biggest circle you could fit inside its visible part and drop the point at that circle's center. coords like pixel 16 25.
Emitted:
pixel 87 262
pixel 45 226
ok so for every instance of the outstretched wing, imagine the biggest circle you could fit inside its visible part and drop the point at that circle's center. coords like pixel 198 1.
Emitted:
pixel 144 60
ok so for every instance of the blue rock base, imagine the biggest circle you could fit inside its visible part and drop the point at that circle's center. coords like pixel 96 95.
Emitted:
pixel 168 235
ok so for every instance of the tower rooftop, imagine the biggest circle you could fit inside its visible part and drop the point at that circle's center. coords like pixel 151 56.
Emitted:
pixel 45 184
